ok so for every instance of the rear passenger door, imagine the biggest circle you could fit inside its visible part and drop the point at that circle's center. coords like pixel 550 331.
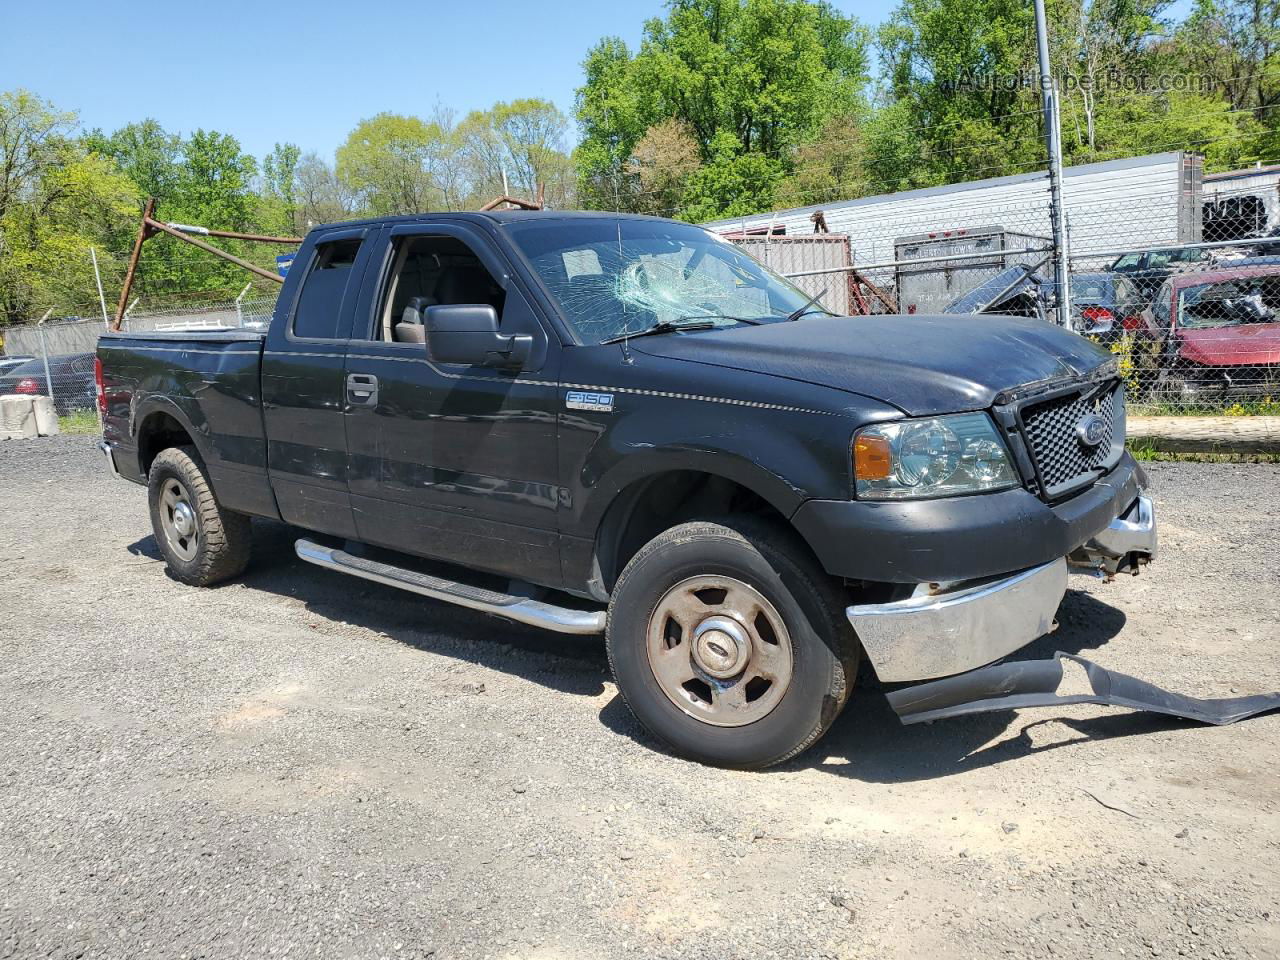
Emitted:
pixel 302 384
pixel 451 461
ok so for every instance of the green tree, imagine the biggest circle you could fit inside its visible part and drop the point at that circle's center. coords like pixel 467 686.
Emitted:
pixel 660 167
pixel 56 201
pixel 322 197
pixel 279 200
pixel 146 153
pixel 33 137
pixel 733 182
pixel 390 162
pixel 766 74
pixel 524 139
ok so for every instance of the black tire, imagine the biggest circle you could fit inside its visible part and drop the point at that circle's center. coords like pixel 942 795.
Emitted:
pixel 219 545
pixel 776 566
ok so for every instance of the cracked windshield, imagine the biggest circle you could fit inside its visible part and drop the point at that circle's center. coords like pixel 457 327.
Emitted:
pixel 618 278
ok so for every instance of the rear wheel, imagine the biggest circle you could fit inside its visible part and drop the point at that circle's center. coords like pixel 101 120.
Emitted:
pixel 729 643
pixel 202 543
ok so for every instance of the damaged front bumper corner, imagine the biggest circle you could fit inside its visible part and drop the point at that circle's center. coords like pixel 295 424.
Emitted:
pixel 946 629
pixel 1128 542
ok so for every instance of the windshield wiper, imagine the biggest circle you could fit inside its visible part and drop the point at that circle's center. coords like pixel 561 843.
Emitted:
pixel 699 322
pixel 801 310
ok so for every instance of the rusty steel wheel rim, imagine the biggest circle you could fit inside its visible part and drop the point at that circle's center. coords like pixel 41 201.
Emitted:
pixel 178 520
pixel 719 650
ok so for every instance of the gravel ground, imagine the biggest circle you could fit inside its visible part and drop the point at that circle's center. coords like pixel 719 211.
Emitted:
pixel 302 763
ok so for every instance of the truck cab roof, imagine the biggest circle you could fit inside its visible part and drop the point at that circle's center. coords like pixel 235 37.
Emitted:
pixel 491 216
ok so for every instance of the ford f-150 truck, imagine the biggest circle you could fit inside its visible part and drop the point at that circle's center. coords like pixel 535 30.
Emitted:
pixel 604 423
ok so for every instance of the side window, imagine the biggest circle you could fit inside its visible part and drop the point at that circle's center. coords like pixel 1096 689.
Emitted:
pixel 431 271
pixel 1162 304
pixel 320 303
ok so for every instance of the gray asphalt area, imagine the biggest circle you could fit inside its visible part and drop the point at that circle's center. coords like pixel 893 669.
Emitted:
pixel 300 763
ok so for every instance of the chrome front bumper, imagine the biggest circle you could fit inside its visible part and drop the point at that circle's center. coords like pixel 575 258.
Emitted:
pixel 944 629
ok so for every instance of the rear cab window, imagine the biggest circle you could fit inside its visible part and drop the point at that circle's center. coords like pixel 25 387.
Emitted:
pixel 328 278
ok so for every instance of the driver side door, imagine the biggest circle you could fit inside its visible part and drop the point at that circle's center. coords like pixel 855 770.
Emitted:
pixel 452 461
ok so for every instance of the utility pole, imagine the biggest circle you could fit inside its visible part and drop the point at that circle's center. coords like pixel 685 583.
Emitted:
pixel 106 321
pixel 1053 140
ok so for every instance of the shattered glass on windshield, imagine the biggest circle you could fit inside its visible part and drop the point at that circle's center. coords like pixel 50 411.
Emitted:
pixel 616 278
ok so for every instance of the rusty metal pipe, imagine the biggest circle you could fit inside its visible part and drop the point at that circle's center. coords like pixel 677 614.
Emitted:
pixel 233 235
pixel 252 268
pixel 143 232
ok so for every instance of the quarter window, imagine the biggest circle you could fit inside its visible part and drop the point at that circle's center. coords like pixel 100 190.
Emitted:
pixel 323 289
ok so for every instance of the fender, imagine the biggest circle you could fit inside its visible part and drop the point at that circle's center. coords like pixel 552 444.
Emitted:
pixel 769 486
pixel 247 490
pixel 153 403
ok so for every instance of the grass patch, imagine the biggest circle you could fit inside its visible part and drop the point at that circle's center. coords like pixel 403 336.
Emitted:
pixel 1264 407
pixel 83 422
pixel 1147 450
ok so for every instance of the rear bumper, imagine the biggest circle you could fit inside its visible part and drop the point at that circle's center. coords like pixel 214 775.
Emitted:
pixel 944 629
pixel 109 452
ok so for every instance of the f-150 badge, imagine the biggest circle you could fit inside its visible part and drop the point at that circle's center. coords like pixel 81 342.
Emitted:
pixel 578 400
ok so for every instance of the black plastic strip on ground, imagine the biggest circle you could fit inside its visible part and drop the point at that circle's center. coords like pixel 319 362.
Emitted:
pixel 1034 683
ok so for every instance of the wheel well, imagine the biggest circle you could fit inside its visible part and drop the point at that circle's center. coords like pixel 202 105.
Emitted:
pixel 649 506
pixel 158 432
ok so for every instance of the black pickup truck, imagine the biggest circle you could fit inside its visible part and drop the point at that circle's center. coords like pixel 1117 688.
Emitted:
pixel 602 423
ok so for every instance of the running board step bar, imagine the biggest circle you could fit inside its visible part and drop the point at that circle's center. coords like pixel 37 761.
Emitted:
pixel 520 609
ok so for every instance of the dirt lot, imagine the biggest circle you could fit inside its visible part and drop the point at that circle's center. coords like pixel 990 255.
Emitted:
pixel 301 763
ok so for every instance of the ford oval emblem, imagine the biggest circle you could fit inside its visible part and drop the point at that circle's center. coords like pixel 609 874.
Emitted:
pixel 1092 430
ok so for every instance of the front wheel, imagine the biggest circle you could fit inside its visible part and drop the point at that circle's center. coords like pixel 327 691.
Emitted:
pixel 729 643
pixel 202 542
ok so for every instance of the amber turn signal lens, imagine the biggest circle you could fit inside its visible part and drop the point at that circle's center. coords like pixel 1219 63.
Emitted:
pixel 872 458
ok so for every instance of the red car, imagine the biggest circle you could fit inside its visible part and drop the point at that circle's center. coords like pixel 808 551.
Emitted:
pixel 1213 332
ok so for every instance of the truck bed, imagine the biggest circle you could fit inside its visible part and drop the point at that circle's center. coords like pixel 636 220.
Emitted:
pixel 209 383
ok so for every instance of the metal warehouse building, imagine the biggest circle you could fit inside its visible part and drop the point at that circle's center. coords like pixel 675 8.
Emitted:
pixel 1136 202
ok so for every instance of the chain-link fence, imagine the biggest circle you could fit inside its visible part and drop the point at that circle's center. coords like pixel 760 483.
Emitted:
pixel 54 357
pixel 1175 272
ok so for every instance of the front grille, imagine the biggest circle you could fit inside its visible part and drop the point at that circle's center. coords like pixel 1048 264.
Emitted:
pixel 1062 459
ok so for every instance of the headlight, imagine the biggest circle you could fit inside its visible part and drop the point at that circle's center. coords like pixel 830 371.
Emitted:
pixel 933 457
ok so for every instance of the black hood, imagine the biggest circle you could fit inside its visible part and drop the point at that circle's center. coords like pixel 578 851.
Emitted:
pixel 921 364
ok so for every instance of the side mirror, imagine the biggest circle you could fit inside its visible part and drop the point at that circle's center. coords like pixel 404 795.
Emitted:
pixel 468 333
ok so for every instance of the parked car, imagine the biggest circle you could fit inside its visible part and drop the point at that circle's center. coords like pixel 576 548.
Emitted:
pixel 1147 270
pixel 1213 333
pixel 604 423
pixel 1017 291
pixel 1104 305
pixel 72 375
pixel 1101 303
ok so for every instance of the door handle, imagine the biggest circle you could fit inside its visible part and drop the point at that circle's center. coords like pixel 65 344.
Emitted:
pixel 362 390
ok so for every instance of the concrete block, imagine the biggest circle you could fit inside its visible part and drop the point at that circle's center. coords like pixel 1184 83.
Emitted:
pixel 17 417
pixel 46 416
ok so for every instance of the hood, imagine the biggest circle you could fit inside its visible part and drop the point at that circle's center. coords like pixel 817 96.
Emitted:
pixel 1247 344
pixel 920 364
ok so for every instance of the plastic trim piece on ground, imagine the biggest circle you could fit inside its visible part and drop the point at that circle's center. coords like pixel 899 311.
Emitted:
pixel 1034 683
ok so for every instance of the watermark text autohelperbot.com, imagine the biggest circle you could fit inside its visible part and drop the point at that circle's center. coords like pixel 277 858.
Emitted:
pixel 1106 80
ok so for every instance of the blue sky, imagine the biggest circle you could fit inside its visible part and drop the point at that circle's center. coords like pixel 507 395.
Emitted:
pixel 308 72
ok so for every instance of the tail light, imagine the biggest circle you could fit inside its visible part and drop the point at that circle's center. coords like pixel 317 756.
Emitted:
pixel 99 387
pixel 1131 322
pixel 27 385
pixel 1098 318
